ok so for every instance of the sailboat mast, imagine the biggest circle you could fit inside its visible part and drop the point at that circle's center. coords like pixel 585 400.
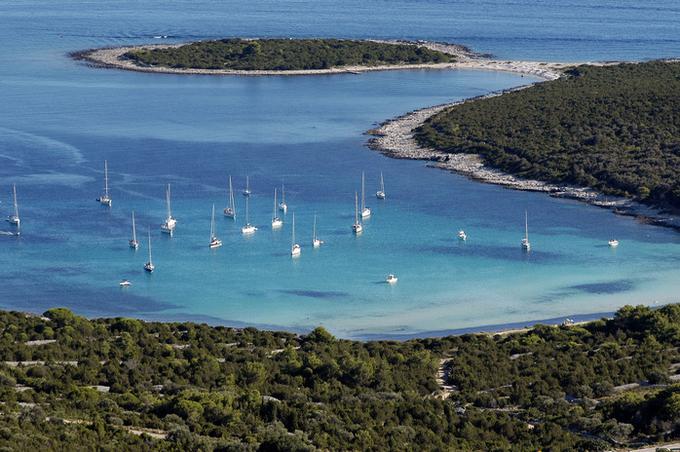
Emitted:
pixel 167 201
pixel 150 261
pixel 293 244
pixel 526 225
pixel 356 208
pixel 274 211
pixel 382 183
pixel 247 203
pixel 16 204
pixel 363 193
pixel 134 230
pixel 314 229
pixel 106 178
pixel 283 193
pixel 212 223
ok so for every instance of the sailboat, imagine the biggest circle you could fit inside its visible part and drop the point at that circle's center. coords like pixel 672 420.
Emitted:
pixel 526 245
pixel 230 210
pixel 613 243
pixel 316 242
pixel 134 243
pixel 105 199
pixel 295 249
pixel 277 223
pixel 283 207
pixel 365 211
pixel 149 266
pixel 214 241
pixel 247 191
pixel 380 194
pixel 169 224
pixel 14 217
pixel 462 235
pixel 248 228
pixel 357 228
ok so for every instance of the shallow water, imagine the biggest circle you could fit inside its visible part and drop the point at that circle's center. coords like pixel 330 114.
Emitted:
pixel 60 119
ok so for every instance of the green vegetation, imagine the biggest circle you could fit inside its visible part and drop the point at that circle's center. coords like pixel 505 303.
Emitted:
pixel 614 128
pixel 194 387
pixel 285 54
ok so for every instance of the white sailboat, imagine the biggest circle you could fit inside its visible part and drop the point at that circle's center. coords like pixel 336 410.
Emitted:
pixel 168 226
pixel 380 194
pixel 134 243
pixel 283 207
pixel 14 217
pixel 295 249
pixel 230 210
pixel 248 228
pixel 316 242
pixel 247 191
pixel 365 211
pixel 526 245
pixel 391 279
pixel 105 199
pixel 214 241
pixel 613 243
pixel 149 266
pixel 462 235
pixel 357 228
pixel 277 223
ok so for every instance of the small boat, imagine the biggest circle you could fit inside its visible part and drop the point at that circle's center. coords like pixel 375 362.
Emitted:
pixel 230 210
pixel 247 191
pixel 357 228
pixel 277 223
pixel 295 249
pixel 316 242
pixel 105 199
pixel 526 245
pixel 133 242
pixel 462 235
pixel 380 194
pixel 125 283
pixel 248 228
pixel 365 211
pixel 283 207
pixel 391 279
pixel 149 266
pixel 168 226
pixel 14 217
pixel 613 243
pixel 214 241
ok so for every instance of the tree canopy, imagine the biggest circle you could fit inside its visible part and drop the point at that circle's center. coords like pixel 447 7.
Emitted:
pixel 285 54
pixel 614 128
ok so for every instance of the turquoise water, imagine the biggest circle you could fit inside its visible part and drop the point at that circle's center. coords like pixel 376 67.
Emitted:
pixel 60 119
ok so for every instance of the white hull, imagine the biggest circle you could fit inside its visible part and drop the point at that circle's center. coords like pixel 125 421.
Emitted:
pixel 526 246
pixel 316 243
pixel 613 243
pixel 391 279
pixel 462 235
pixel 215 243
pixel 295 250
pixel 380 195
pixel 357 229
pixel 149 267
pixel 169 226
pixel 134 244
pixel 105 201
pixel 14 220
pixel 277 223
pixel 247 192
pixel 125 283
pixel 283 207
pixel 366 212
pixel 229 213
pixel 248 229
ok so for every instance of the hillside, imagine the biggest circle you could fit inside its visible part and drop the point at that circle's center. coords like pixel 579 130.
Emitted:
pixel 68 382
pixel 613 128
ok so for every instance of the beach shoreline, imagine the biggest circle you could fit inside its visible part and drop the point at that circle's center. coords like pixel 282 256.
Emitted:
pixel 111 57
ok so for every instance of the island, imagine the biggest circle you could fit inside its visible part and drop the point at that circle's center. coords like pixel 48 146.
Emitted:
pixel 124 384
pixel 263 57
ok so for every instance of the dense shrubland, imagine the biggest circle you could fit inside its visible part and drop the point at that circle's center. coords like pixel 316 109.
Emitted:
pixel 614 128
pixel 196 387
pixel 284 54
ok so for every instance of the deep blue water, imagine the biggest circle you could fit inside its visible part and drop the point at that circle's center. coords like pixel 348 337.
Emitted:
pixel 60 119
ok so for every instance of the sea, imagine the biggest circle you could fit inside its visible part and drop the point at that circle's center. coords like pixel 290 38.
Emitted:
pixel 60 119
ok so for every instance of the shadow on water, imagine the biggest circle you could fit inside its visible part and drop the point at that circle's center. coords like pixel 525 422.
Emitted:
pixel 598 288
pixel 507 253
pixel 318 294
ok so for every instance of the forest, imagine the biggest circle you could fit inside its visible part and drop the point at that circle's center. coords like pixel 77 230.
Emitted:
pixel 284 54
pixel 613 128
pixel 67 382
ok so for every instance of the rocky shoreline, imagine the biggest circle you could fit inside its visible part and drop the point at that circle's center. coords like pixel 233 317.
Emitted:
pixel 394 138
